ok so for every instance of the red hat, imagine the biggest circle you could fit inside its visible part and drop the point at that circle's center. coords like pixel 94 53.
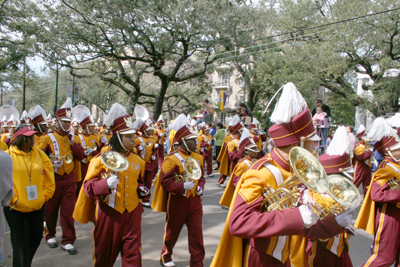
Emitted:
pixel 385 144
pixel 205 128
pixel 319 100
pixel 247 142
pixel 65 112
pixel 88 121
pixel 236 128
pixel 385 136
pixel 300 127
pixel 335 164
pixel 123 125
pixel 183 130
pixel 26 131
pixel 360 131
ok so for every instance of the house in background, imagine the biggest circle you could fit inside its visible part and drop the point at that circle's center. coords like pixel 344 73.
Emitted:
pixel 228 80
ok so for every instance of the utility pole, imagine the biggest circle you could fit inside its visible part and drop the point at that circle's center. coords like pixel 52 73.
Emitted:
pixel 55 100
pixel 73 89
pixel 24 86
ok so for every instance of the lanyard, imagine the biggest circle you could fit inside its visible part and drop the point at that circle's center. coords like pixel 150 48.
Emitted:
pixel 26 166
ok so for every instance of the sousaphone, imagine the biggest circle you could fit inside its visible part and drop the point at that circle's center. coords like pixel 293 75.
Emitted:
pixel 141 113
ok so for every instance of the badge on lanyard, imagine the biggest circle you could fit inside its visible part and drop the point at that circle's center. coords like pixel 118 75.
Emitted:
pixel 31 192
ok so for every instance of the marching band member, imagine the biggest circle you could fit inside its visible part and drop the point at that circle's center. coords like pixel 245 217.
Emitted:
pixel 25 119
pixel 265 237
pixel 223 157
pixel 147 145
pixel 87 139
pixel 171 138
pixel 114 203
pixel 160 131
pixel 335 250
pixel 33 183
pixel 250 152
pixel 204 141
pixel 10 119
pixel 258 136
pixel 234 152
pixel 380 213
pixel 362 161
pixel 60 144
pixel 181 199
pixel 39 122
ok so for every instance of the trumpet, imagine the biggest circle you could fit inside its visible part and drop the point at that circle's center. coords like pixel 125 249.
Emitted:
pixel 92 147
pixel 394 184
pixel 67 158
pixel 191 171
pixel 148 143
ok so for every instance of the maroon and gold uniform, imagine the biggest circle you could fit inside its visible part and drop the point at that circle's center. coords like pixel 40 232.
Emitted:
pixel 362 166
pixel 204 141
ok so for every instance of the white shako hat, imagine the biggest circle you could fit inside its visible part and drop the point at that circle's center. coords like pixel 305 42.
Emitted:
pixel 292 119
pixel 338 154
pixel 235 125
pixel 25 119
pixel 83 117
pixel 182 128
pixel 38 116
pixel 360 131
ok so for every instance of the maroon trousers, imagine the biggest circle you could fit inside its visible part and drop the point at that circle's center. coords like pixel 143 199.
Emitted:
pixel 386 246
pixel 160 155
pixel 182 210
pixel 222 179
pixel 84 168
pixel 362 175
pixel 324 257
pixel 255 258
pixel 63 198
pixel 149 174
pixel 113 233
pixel 207 157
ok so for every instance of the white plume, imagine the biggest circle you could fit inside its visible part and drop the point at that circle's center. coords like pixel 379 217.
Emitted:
pixel 36 111
pixel 245 134
pixel 379 129
pixel 193 122
pixel 67 104
pixel 138 123
pixel 12 118
pixel 235 120
pixel 116 111
pixel 178 123
pixel 289 105
pixel 81 115
pixel 340 143
pixel 228 120
pixel 189 119
pixel 4 118
pixel 394 121
pixel 24 115
pixel 361 128
pixel 255 121
pixel 49 117
pixel 160 118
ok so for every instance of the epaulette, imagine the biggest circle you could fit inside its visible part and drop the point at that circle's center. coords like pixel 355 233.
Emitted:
pixel 259 163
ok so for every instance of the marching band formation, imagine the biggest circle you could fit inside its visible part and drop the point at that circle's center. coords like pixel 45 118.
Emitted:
pixel 287 208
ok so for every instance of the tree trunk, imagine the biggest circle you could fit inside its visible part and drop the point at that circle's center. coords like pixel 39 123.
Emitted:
pixel 160 98
pixel 251 103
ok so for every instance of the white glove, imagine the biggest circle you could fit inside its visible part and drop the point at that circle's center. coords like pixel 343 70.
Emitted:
pixel 144 191
pixel 156 145
pixel 57 164
pixel 140 148
pixel 153 157
pixel 308 216
pixel 188 185
pixel 199 191
pixel 104 140
pixel 88 151
pixel 112 182
pixel 260 133
pixel 345 218
pixel 161 135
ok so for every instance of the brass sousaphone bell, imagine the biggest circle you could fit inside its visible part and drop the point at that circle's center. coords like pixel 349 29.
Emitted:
pixel 191 171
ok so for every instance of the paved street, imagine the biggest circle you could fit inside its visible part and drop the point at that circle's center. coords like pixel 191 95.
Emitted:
pixel 152 236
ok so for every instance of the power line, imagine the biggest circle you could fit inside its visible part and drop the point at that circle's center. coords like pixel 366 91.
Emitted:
pixel 318 26
pixel 289 39
pixel 326 37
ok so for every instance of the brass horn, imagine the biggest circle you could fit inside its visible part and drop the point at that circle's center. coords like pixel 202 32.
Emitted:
pixel 93 147
pixel 307 170
pixel 191 171
pixel 67 158
pixel 114 161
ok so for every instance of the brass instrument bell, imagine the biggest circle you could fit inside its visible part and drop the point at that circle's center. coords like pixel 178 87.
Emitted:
pixel 191 171
pixel 67 158
pixel 114 161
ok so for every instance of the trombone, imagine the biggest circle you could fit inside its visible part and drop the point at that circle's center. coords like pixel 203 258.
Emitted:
pixel 67 158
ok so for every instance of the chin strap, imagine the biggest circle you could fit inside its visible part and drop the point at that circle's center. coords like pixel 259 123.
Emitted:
pixel 40 129
pixel 348 175
pixel 60 124
pixel 186 145
pixel 391 155
pixel 119 139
